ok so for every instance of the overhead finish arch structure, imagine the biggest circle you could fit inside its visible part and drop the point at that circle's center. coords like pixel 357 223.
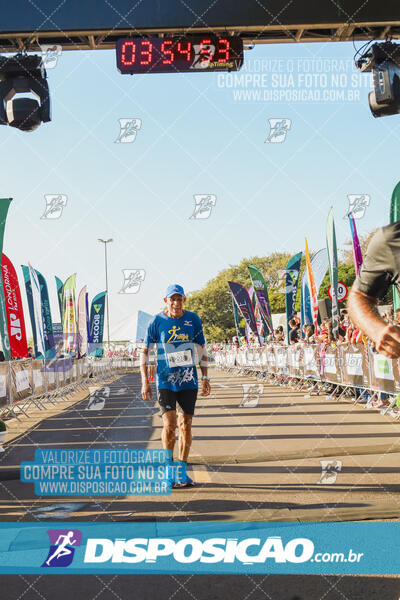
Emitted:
pixel 98 24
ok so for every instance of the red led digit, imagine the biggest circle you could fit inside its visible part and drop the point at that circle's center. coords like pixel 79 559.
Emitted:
pixel 146 53
pixel 205 50
pixel 186 51
pixel 223 49
pixel 128 53
pixel 168 52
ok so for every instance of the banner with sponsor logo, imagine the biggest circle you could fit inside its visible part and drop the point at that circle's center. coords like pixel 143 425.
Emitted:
pixel 14 310
pixel 4 206
pixel 291 281
pixel 82 323
pixel 28 289
pixel 333 269
pixel 395 216
pixel 357 254
pixel 261 293
pixel 46 317
pixel 32 287
pixel 236 316
pixel 244 304
pixel 319 266
pixel 97 311
pixel 69 320
pixel 259 321
pixel 59 285
pixel 312 288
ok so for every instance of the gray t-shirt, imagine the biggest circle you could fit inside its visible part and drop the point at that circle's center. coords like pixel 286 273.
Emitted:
pixel 381 265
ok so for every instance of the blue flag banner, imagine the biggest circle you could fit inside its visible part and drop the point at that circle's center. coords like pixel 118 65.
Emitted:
pixel 49 343
pixel 319 264
pixel 199 548
pixel 244 304
pixel 29 296
pixel 291 280
pixel 97 325
pixel 143 320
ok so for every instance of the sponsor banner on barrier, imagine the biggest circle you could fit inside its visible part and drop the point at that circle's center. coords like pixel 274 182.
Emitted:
pixel 4 384
pixel 384 373
pixel 311 361
pixel 21 379
pixel 354 361
pixel 295 361
pixel 199 548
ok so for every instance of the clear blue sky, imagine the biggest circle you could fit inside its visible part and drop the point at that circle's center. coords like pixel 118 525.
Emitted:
pixel 196 137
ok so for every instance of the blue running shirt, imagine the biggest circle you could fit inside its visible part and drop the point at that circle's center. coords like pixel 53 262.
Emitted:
pixel 176 341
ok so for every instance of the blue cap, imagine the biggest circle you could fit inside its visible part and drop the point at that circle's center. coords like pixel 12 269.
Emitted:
pixel 174 289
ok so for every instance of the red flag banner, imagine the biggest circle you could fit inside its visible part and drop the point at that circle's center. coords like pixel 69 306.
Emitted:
pixel 14 310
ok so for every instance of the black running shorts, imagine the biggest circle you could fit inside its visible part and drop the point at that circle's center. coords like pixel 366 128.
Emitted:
pixel 186 399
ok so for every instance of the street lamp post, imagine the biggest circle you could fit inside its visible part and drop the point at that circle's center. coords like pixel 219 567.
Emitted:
pixel 105 242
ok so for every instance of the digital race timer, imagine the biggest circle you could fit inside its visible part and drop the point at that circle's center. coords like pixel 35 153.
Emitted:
pixel 192 54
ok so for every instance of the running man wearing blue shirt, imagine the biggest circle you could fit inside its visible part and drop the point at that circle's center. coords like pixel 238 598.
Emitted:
pixel 178 336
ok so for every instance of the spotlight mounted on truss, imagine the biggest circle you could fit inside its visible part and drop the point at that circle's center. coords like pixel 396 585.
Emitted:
pixel 21 74
pixel 383 59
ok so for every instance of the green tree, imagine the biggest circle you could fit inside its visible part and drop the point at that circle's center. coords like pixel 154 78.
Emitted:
pixel 214 305
pixel 346 274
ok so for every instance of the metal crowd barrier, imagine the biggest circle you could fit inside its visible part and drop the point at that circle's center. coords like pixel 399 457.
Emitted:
pixel 355 367
pixel 29 382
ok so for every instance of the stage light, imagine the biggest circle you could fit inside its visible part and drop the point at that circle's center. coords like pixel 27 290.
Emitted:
pixel 21 74
pixel 384 62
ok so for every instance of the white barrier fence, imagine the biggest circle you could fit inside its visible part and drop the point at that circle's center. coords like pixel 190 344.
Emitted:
pixel 30 381
pixel 345 365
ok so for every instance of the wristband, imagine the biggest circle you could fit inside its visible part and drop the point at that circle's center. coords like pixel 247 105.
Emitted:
pixel 206 378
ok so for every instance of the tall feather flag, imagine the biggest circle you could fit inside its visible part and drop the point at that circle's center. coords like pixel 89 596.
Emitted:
pixel 358 259
pixel 262 299
pixel 319 267
pixel 244 304
pixel 333 269
pixel 14 310
pixel 395 216
pixel 4 206
pixel 235 315
pixel 291 281
pixel 313 289
pixel 81 323
pixel 59 285
pixel 68 311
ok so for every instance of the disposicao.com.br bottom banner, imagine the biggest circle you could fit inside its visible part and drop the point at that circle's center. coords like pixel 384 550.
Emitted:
pixel 302 548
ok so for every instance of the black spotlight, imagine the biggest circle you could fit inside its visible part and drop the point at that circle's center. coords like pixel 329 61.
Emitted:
pixel 384 62
pixel 20 74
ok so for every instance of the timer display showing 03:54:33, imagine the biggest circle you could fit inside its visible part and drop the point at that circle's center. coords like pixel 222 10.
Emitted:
pixel 191 54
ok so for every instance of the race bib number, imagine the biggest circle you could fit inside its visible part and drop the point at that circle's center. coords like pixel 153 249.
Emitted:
pixel 180 359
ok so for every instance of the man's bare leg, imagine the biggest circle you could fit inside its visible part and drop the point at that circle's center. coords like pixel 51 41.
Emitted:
pixel 185 435
pixel 169 431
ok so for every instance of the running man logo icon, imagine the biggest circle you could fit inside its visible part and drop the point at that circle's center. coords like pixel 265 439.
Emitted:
pixel 203 55
pixel 330 470
pixel 358 204
pixel 62 547
pixel 98 397
pixel 278 129
pixel 132 280
pixel 50 54
pixel 203 205
pixel 55 204
pixel 251 394
pixel 128 130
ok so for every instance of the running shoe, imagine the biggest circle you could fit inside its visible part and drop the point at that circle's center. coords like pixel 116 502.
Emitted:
pixel 184 483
